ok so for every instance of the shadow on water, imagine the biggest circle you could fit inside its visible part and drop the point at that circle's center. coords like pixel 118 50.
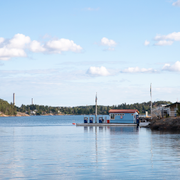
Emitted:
pixel 165 131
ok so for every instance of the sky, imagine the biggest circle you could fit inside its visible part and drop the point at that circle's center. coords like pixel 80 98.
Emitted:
pixel 60 53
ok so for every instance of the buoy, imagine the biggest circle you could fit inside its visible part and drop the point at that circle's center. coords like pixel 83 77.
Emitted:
pixel 74 123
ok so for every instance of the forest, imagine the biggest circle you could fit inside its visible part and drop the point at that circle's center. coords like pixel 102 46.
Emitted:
pixel 78 110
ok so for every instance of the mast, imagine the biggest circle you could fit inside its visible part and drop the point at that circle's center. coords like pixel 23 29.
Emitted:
pixel 96 109
pixel 151 98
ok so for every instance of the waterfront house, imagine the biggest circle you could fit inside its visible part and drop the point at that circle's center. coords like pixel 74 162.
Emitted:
pixel 173 109
pixel 160 111
pixel 123 116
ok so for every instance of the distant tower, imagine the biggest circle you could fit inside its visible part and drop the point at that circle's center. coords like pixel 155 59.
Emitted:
pixel 32 101
pixel 13 98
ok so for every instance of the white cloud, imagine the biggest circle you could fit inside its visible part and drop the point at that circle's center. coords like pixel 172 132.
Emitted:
pixel 146 43
pixel 164 43
pixel 164 40
pixel 98 71
pixel 108 42
pixel 16 46
pixel 7 53
pixel 36 46
pixel 57 46
pixel 177 3
pixel 174 67
pixel 1 40
pixel 175 36
pixel 138 70
pixel 18 41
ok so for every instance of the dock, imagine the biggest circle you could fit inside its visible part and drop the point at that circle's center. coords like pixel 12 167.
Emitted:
pixel 104 124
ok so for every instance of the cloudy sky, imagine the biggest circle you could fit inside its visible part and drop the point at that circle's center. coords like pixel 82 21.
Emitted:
pixel 62 52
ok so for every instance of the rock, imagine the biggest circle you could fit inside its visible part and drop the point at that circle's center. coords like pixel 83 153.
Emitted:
pixel 170 123
pixel 21 114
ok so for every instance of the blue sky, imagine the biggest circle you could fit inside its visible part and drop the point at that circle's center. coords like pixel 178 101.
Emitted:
pixel 62 52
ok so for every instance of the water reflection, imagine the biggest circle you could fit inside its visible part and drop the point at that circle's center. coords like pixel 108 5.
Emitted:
pixel 91 129
pixel 120 130
pixel 168 142
pixel 70 152
pixel 100 129
pixel 112 129
pixel 85 129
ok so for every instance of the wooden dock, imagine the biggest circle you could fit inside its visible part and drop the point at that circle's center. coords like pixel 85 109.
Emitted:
pixel 103 124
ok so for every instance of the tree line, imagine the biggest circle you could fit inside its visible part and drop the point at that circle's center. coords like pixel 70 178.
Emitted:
pixel 34 109
pixel 78 110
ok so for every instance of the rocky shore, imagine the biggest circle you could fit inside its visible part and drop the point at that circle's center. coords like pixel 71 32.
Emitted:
pixel 21 114
pixel 170 123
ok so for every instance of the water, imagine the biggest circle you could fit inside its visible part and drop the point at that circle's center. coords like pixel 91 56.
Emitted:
pixel 50 147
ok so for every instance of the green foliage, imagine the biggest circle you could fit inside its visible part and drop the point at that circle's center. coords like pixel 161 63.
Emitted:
pixel 38 109
pixel 78 110
pixel 6 108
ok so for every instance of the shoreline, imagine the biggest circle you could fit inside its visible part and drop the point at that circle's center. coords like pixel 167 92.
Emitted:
pixel 170 123
pixel 19 114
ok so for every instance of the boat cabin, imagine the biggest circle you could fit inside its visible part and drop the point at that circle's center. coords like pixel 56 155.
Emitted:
pixel 123 116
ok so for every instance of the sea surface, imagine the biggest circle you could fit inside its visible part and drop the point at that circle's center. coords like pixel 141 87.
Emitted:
pixel 50 147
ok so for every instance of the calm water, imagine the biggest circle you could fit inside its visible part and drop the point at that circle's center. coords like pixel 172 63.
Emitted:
pixel 50 147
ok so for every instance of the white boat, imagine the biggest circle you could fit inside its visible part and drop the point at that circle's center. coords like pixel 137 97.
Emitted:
pixel 144 124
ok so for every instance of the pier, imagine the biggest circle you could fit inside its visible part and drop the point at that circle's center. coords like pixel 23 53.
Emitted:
pixel 104 124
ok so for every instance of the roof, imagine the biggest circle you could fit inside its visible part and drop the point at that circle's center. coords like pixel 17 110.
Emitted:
pixel 123 111
pixel 172 104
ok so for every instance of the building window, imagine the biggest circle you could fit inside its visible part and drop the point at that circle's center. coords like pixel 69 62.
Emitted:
pixel 112 116
pixel 118 115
